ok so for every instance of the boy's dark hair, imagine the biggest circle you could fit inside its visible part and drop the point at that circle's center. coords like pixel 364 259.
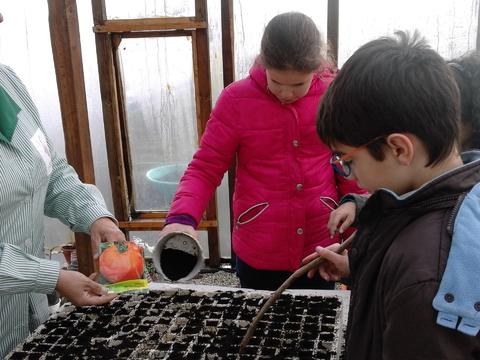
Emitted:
pixel 392 85
pixel 291 41
pixel 466 70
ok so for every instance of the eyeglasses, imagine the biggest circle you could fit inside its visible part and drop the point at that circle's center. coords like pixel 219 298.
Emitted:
pixel 341 163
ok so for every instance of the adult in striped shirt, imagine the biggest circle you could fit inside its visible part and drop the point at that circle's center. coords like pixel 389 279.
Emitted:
pixel 36 181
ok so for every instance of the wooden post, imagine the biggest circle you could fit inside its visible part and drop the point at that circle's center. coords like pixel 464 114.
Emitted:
pixel 111 114
pixel 203 97
pixel 478 31
pixel 67 56
pixel 228 57
pixel 228 48
pixel 108 35
pixel 332 29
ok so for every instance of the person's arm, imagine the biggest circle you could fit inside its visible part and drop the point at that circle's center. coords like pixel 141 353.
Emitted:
pixel 352 199
pixel 76 204
pixel 358 199
pixel 346 214
pixel 213 158
pixel 24 273
pixel 411 331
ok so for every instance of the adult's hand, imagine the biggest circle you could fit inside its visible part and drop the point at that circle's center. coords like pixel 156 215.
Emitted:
pixel 167 229
pixel 82 290
pixel 105 230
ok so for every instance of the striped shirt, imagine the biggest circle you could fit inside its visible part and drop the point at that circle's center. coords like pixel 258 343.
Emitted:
pixel 34 181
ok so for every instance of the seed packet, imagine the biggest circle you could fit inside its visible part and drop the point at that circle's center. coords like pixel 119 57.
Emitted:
pixel 138 285
pixel 121 266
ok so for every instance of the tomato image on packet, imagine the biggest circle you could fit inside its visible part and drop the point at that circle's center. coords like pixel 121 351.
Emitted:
pixel 121 261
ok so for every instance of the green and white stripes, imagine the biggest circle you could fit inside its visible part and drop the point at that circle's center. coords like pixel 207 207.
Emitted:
pixel 30 189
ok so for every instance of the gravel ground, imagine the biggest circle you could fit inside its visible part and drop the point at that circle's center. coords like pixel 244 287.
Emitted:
pixel 217 278
pixel 214 277
pixel 207 276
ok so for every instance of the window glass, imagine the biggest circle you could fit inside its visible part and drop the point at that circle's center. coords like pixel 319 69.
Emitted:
pixel 450 27
pixel 251 17
pixel 128 9
pixel 161 118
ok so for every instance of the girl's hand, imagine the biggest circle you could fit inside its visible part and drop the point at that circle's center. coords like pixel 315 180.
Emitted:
pixel 341 218
pixel 167 229
pixel 335 266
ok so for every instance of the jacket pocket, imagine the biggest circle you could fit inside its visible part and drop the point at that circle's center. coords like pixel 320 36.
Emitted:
pixel 252 213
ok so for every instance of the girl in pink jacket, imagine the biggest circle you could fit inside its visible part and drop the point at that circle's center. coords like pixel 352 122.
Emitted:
pixel 285 187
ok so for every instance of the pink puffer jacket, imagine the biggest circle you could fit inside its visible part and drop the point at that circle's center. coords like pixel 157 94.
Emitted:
pixel 283 170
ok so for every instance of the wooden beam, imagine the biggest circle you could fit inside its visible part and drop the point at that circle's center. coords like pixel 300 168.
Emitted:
pixel 478 30
pixel 111 115
pixel 67 56
pixel 108 35
pixel 228 49
pixel 123 143
pixel 158 224
pixel 203 99
pixel 332 29
pixel 228 58
pixel 201 73
pixel 201 11
pixel 149 34
pixel 127 25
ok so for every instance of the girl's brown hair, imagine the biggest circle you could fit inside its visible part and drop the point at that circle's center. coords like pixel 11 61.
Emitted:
pixel 291 41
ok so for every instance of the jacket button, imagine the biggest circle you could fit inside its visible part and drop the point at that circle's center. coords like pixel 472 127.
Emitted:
pixel 449 297
pixel 299 231
pixel 299 187
pixel 477 306
pixel 295 143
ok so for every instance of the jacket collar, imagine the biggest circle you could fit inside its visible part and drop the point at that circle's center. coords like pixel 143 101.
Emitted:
pixel 8 115
pixel 451 183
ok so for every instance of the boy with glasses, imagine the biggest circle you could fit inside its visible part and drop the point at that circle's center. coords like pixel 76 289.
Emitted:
pixel 391 117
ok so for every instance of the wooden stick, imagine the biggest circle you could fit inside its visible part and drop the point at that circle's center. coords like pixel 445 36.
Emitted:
pixel 291 279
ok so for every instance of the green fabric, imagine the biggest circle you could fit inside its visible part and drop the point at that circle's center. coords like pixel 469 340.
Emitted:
pixel 8 115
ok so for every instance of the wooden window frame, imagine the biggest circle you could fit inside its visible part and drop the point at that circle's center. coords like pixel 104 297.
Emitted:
pixel 65 37
pixel 108 35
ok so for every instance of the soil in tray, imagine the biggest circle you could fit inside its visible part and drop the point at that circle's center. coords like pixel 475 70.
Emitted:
pixel 187 329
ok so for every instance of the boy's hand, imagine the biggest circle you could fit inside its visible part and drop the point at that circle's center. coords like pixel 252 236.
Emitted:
pixel 334 267
pixel 167 229
pixel 81 290
pixel 341 218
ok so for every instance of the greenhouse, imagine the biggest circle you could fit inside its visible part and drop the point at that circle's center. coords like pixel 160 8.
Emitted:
pixel 239 179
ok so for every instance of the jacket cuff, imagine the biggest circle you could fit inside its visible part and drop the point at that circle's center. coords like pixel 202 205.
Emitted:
pixel 90 216
pixel 183 219
pixel 359 200
pixel 48 272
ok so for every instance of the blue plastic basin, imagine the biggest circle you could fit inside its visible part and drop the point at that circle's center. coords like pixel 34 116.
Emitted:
pixel 165 178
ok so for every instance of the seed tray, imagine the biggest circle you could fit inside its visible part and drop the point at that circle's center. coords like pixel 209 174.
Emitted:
pixel 194 322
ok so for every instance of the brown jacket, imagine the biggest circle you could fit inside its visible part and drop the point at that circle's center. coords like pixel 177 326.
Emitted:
pixel 397 261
